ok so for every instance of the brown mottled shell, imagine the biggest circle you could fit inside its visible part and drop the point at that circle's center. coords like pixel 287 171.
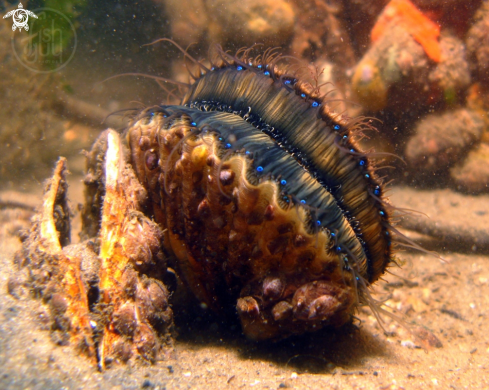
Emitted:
pixel 267 205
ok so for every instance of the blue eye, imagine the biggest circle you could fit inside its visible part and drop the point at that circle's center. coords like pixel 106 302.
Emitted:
pixel 228 145
pixel 247 152
pixel 381 213
pixel 287 82
pixel 336 127
pixel 362 162
pixel 194 124
pixel 152 114
pixel 220 138
pixel 259 168
pixel 303 201
pixel 259 66
pixel 333 234
pixel 367 176
pixel 338 248
pixel 303 95
pixel 376 191
pixel 267 73
pixel 239 68
pixel 345 137
pixel 318 222
pixel 283 182
pixel 315 104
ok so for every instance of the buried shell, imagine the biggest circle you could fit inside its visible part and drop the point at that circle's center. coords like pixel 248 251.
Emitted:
pixel 268 206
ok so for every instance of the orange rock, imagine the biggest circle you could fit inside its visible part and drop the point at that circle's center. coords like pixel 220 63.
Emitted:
pixel 422 29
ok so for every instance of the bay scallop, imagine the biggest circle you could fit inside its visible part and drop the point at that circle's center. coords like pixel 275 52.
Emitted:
pixel 269 207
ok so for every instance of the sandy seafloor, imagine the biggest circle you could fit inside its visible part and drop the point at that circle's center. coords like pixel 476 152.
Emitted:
pixel 450 299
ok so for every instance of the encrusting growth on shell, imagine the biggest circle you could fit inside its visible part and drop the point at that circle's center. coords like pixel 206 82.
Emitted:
pixel 136 307
pixel 55 275
pixel 102 294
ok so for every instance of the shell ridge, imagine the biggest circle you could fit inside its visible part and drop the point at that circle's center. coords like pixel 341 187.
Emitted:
pixel 321 208
pixel 345 173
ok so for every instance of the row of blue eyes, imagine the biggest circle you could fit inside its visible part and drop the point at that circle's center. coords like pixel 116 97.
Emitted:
pixel 260 169
pixel 303 95
pixel 283 182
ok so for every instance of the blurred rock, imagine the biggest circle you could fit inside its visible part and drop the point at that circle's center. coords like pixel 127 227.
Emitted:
pixel 409 65
pixel 452 73
pixel 188 20
pixel 478 100
pixel 394 69
pixel 243 23
pixel 478 44
pixel 321 34
pixel 441 140
pixel 472 174
pixel 403 13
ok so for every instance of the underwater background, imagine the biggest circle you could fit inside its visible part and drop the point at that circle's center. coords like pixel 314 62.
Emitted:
pixel 419 69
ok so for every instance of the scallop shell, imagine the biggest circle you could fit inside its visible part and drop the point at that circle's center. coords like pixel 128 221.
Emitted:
pixel 267 204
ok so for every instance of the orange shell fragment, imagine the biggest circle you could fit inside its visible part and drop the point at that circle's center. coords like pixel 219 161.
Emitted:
pixel 421 28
